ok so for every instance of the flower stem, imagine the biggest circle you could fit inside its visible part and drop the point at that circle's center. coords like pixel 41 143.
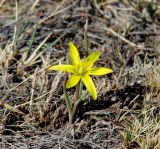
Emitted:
pixel 77 92
pixel 75 102
pixel 80 87
pixel 67 100
pixel 76 105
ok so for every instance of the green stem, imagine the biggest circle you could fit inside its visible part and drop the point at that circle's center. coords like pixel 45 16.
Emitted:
pixel 80 87
pixel 67 100
pixel 75 103
pixel 78 99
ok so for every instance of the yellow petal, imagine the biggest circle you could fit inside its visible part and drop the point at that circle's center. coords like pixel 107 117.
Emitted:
pixel 66 68
pixel 91 59
pixel 99 71
pixel 73 54
pixel 73 80
pixel 89 85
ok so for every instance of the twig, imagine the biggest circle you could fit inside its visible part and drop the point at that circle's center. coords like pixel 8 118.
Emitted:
pixel 52 15
pixel 34 4
pixel 2 2
pixel 85 32
pixel 29 77
pixel 122 38
pixel 9 107
pixel 34 54
pixel 16 24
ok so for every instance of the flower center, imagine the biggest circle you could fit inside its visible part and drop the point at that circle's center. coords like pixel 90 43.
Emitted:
pixel 80 70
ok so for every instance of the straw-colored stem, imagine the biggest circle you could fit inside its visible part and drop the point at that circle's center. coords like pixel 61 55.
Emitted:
pixel 85 33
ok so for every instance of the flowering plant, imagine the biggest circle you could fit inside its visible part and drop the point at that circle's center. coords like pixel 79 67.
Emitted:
pixel 81 71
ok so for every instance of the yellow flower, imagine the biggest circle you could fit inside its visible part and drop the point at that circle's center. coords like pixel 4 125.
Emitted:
pixel 82 69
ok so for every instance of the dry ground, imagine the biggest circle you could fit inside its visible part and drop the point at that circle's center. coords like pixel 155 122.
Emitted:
pixel 35 34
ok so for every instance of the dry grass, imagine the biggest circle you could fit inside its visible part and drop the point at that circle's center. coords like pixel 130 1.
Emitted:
pixel 142 128
pixel 35 35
